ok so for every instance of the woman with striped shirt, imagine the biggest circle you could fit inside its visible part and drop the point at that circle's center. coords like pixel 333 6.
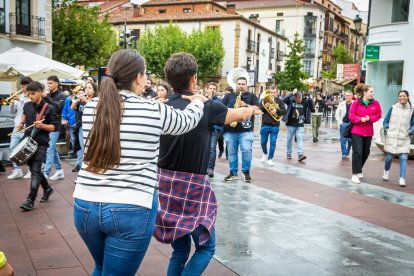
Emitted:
pixel 115 197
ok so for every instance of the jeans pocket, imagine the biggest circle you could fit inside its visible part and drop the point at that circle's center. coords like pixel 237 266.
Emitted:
pixel 131 222
pixel 80 217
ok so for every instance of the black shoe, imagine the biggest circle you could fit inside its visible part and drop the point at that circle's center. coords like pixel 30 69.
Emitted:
pixel 246 177
pixel 301 157
pixel 315 140
pixel 289 156
pixel 28 205
pixel 220 154
pixel 47 194
pixel 76 169
pixel 210 172
pixel 230 177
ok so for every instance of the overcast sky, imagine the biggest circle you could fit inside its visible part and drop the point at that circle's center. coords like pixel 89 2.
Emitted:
pixel 362 4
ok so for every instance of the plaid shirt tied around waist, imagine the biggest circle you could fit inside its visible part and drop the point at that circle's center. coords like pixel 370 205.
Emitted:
pixel 186 201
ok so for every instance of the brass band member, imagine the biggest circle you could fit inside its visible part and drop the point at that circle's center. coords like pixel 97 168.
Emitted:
pixel 242 134
pixel 270 126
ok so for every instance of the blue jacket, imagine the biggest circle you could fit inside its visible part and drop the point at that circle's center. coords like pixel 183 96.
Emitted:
pixel 67 113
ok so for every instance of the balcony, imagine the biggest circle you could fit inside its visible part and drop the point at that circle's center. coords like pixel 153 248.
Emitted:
pixel 272 53
pixel 280 56
pixel 309 32
pixel 27 25
pixel 327 46
pixel 310 54
pixel 251 45
pixel 257 47
pixel 343 36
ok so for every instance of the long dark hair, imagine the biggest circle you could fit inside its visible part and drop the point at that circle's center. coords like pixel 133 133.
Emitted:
pixel 103 150
pixel 407 94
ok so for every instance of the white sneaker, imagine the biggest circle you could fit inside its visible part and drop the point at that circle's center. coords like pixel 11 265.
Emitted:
pixel 402 182
pixel 27 175
pixel 355 179
pixel 58 175
pixel 360 175
pixel 270 162
pixel 386 175
pixel 15 174
pixel 264 158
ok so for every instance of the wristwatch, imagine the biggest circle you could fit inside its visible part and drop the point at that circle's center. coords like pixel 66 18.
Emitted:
pixel 3 260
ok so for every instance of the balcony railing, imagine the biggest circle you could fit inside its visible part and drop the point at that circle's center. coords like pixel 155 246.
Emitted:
pixel 280 55
pixel 251 45
pixel 272 53
pixel 310 32
pixel 309 54
pixel 28 25
pixel 343 36
pixel 328 46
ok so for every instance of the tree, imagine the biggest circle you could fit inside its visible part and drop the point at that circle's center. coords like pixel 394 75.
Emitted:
pixel 158 45
pixel 293 75
pixel 80 37
pixel 341 56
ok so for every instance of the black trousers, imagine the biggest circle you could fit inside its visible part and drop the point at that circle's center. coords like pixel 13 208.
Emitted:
pixel 220 143
pixel 38 178
pixel 360 152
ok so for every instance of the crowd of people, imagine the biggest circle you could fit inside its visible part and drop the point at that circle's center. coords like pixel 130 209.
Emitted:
pixel 145 157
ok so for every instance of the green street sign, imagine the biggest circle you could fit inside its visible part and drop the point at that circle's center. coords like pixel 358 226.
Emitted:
pixel 372 53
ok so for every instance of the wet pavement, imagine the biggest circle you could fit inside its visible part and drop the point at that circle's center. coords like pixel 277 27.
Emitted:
pixel 295 218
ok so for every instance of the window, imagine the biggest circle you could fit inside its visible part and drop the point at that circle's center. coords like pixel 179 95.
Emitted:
pixel 2 16
pixel 213 27
pixel 279 27
pixel 23 17
pixel 400 10
pixel 186 10
pixel 307 67
pixel 163 11
pixel 279 14
pixel 310 25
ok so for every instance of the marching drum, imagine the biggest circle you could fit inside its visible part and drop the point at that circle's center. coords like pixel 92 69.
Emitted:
pixel 23 151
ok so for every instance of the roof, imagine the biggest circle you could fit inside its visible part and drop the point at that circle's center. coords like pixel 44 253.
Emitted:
pixel 106 6
pixel 170 2
pixel 266 4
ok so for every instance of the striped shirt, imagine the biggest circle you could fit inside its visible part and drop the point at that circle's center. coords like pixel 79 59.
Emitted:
pixel 143 122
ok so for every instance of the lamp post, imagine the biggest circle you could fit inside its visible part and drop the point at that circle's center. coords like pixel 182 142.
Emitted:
pixel 357 22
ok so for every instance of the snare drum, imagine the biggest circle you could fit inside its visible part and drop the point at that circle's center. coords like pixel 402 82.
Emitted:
pixel 23 151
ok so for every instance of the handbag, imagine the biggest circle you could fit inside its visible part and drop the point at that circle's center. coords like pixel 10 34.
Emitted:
pixel 347 131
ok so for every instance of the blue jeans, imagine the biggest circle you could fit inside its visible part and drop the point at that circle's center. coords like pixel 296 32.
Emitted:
pixel 245 141
pixel 299 132
pixel 403 163
pixel 117 235
pixel 213 148
pixel 198 262
pixel 265 131
pixel 14 141
pixel 346 143
pixel 79 154
pixel 52 155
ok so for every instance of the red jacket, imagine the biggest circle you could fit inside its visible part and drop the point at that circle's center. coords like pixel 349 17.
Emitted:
pixel 358 110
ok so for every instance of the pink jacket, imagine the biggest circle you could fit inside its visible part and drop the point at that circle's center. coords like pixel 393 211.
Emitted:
pixel 359 110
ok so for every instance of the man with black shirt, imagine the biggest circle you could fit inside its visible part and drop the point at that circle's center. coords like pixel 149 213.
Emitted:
pixel 188 206
pixel 149 92
pixel 40 134
pixel 298 113
pixel 242 134
pixel 56 98
pixel 342 118
pixel 270 127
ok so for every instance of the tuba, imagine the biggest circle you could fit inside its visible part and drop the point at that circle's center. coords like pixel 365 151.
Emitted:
pixel 266 98
pixel 232 78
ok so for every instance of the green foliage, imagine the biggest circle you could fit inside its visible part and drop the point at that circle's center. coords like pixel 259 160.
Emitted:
pixel 158 45
pixel 293 75
pixel 341 56
pixel 80 37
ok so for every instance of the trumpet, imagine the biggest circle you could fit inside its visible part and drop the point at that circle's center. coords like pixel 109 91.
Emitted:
pixel 266 98
pixel 6 101
pixel 77 97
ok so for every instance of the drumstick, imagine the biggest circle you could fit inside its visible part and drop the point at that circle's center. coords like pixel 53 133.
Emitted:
pixel 10 134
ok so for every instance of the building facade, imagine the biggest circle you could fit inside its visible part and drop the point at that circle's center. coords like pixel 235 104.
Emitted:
pixel 246 43
pixel 391 27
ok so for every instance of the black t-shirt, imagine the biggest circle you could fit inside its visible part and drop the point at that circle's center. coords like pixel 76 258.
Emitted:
pixel 249 98
pixel 149 93
pixel 297 115
pixel 190 152
pixel 79 113
pixel 346 117
pixel 57 99
pixel 30 110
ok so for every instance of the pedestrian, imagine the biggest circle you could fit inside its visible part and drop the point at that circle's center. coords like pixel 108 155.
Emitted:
pixel 33 113
pixel 270 124
pixel 297 115
pixel 398 126
pixel 188 206
pixel 342 118
pixel 16 107
pixel 149 92
pixel 240 134
pixel 69 122
pixel 363 113
pixel 115 197
pixel 164 90
pixel 317 117
pixel 57 99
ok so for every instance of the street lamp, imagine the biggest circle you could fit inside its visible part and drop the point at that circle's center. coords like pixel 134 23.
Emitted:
pixel 357 22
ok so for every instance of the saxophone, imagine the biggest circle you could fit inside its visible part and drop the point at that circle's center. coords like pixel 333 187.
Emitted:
pixel 266 98
pixel 236 105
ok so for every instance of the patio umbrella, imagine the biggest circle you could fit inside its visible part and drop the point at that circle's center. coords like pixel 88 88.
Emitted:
pixel 18 61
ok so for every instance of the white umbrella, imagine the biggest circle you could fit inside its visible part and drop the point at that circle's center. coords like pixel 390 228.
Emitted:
pixel 18 61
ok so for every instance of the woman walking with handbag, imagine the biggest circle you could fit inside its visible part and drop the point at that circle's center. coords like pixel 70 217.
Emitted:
pixel 363 113
pixel 398 125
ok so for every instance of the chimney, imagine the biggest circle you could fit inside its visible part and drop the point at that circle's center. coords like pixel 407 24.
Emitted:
pixel 254 17
pixel 136 10
pixel 231 8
